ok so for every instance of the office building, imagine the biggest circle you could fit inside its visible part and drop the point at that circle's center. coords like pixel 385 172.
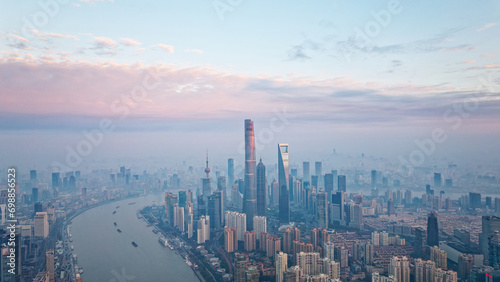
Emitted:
pixel 437 180
pixel 250 193
pixel 342 182
pixel 56 180
pixel 318 171
pixel 41 225
pixel 215 208
pixel 34 195
pixel 261 189
pixel 49 265
pixel 306 176
pixel 222 187
pixel 230 172
pixel 474 200
pixel 283 182
pixel 170 201
pixel 432 229
pixel 374 178
pixel 322 210
pixel 337 209
pixel 329 183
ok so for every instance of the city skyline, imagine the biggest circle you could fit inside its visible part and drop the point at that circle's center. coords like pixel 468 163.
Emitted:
pixel 377 79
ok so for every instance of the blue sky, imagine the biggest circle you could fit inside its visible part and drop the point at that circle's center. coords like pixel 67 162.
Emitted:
pixel 220 63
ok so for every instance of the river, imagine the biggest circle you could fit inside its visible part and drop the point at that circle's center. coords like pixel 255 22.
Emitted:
pixel 107 255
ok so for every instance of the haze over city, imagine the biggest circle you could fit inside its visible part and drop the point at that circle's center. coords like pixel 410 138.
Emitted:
pixel 371 79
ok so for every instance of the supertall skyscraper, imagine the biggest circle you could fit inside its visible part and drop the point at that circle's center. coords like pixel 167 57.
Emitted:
pixel 261 189
pixel 284 198
pixel 250 193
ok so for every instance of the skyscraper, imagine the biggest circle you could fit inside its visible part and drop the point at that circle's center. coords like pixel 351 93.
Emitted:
pixel 342 183
pixel 41 225
pixel 56 180
pixel 374 178
pixel 284 200
pixel 329 183
pixel 490 224
pixel 318 171
pixel 437 180
pixel 306 176
pixel 34 195
pixel 221 186
pixel 338 208
pixel 368 253
pixel 170 201
pixel 182 199
pixel 32 175
pixel 474 200
pixel 419 243
pixel 215 210
pixel 49 265
pixel 250 193
pixel 230 172
pixel 322 210
pixel 432 230
pixel 261 189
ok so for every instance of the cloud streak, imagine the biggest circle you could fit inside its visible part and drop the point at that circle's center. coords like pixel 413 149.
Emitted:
pixel 83 91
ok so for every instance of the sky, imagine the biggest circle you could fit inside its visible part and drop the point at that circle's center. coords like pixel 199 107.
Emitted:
pixel 92 83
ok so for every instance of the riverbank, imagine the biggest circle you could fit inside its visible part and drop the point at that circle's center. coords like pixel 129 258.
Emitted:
pixel 105 253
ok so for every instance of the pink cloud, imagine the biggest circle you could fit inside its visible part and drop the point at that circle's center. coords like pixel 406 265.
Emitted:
pixel 44 35
pixel 489 25
pixel 129 42
pixel 17 37
pixel 106 89
pixel 165 47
